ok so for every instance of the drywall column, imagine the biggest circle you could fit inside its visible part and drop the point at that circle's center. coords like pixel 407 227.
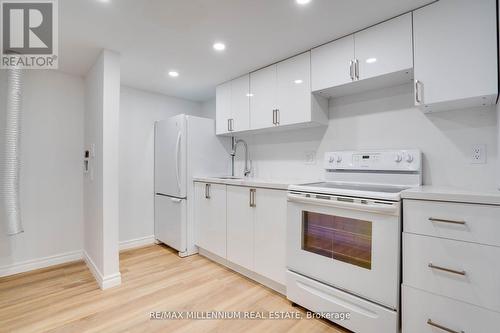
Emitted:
pixel 102 98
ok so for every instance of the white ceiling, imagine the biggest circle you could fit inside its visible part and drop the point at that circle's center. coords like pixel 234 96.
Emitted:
pixel 155 36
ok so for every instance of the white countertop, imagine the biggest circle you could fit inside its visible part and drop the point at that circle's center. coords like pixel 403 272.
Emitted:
pixel 250 182
pixel 442 193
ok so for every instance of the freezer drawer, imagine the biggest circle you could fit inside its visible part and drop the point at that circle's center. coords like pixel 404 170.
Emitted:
pixel 171 221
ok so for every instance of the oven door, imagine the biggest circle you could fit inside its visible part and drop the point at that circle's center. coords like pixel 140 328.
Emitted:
pixel 350 244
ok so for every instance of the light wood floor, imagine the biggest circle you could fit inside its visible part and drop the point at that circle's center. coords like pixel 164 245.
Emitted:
pixel 66 298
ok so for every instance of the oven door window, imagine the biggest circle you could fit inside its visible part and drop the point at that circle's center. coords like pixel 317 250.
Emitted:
pixel 340 238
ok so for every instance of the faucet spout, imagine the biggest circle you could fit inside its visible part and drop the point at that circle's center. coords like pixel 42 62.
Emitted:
pixel 235 143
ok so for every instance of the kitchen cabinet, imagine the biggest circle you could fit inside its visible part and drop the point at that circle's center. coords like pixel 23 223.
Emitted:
pixel 244 225
pixel 240 226
pixel 233 106
pixel 450 266
pixel 455 54
pixel 270 234
pixel 281 95
pixel 263 98
pixel 331 64
pixel 379 56
pixel 210 217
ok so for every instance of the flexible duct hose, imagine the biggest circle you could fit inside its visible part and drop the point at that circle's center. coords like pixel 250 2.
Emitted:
pixel 12 153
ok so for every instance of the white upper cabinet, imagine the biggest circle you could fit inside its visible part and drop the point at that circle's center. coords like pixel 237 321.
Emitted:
pixel 331 64
pixel 223 108
pixel 379 56
pixel 384 48
pixel 233 106
pixel 281 95
pixel 455 54
pixel 263 98
pixel 240 104
pixel 294 90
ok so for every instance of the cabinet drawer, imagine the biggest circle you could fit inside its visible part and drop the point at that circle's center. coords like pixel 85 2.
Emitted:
pixel 475 269
pixel 419 307
pixel 473 223
pixel 366 317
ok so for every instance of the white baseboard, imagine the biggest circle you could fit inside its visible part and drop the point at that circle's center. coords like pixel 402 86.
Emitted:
pixel 138 242
pixel 243 271
pixel 30 265
pixel 104 282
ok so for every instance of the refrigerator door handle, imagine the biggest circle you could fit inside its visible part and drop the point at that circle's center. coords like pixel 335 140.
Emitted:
pixel 177 148
pixel 176 200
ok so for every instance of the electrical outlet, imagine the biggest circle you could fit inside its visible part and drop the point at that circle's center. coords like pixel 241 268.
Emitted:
pixel 478 154
pixel 310 157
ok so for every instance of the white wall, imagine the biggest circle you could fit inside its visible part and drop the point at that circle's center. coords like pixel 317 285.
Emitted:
pixel 101 202
pixel 138 112
pixel 380 120
pixel 51 173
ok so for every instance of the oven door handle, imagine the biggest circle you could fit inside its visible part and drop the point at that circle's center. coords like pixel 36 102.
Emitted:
pixel 370 206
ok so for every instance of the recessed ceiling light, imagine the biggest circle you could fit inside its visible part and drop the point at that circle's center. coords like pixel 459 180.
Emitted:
pixel 303 2
pixel 104 0
pixel 219 46
pixel 371 60
pixel 173 74
pixel 249 95
pixel 298 81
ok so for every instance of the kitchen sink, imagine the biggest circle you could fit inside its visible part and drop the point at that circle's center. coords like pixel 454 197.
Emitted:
pixel 229 177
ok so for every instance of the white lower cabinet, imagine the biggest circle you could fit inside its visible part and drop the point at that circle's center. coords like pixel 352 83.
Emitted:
pixel 451 271
pixel 240 226
pixel 424 312
pixel 244 225
pixel 210 217
pixel 270 234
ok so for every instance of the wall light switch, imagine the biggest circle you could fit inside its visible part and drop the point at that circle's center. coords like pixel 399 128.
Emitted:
pixel 478 154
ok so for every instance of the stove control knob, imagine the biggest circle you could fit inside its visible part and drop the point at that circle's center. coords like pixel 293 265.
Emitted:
pixel 332 159
pixel 398 158
pixel 409 158
pixel 339 159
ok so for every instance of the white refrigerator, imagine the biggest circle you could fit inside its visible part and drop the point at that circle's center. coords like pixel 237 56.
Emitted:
pixel 185 147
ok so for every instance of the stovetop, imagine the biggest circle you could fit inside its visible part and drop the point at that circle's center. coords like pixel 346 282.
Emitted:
pixel 372 191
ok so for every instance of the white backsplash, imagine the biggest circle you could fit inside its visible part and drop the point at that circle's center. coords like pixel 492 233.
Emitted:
pixel 384 119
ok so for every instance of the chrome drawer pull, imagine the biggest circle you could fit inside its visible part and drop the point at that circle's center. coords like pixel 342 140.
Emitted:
pixel 433 324
pixel 432 219
pixel 431 265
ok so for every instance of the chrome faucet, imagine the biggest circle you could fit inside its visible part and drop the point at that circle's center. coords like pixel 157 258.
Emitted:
pixel 234 143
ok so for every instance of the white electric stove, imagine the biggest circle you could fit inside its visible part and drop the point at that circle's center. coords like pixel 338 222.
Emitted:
pixel 344 238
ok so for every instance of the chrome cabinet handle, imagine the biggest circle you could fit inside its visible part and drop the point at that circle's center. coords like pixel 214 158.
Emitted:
pixel 351 69
pixel 356 69
pixel 274 116
pixel 229 125
pixel 433 219
pixel 453 271
pixel 441 327
pixel 277 116
pixel 207 191
pixel 252 197
pixel 418 97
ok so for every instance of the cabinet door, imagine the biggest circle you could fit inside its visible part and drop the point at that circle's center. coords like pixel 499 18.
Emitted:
pixel 330 63
pixel 210 217
pixel 223 107
pixel 263 97
pixel 270 234
pixel 240 104
pixel 455 51
pixel 240 224
pixel 294 90
pixel 385 48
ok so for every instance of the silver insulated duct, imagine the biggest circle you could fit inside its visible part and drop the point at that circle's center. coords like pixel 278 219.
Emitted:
pixel 11 168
